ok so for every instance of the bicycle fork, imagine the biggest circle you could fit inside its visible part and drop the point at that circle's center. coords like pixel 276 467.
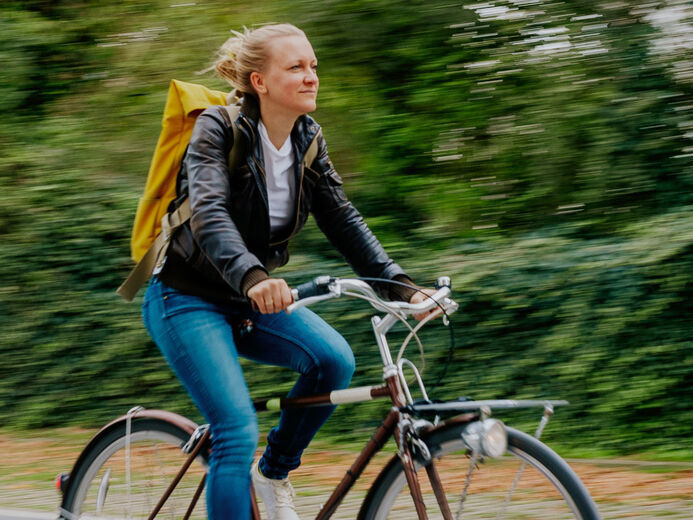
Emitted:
pixel 406 432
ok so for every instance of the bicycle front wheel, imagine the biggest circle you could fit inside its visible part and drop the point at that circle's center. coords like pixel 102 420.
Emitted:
pixel 110 484
pixel 529 482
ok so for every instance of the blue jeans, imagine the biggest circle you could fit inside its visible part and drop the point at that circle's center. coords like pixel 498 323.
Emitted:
pixel 197 339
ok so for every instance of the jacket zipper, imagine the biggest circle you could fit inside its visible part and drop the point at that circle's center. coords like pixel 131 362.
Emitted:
pixel 298 202
pixel 299 187
pixel 298 211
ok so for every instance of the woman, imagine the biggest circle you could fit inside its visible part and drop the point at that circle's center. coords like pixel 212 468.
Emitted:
pixel 217 268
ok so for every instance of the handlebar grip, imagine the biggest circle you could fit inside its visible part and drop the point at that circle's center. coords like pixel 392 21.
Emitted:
pixel 315 287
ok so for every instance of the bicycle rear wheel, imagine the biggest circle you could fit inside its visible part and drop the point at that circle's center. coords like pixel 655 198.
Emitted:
pixel 530 482
pixel 100 486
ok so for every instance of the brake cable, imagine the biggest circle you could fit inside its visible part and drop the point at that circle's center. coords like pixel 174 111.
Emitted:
pixel 451 349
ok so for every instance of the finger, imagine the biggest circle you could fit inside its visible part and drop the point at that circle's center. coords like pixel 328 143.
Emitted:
pixel 282 296
pixel 267 302
pixel 255 299
pixel 436 311
pixel 277 304
pixel 261 307
pixel 256 294
pixel 287 297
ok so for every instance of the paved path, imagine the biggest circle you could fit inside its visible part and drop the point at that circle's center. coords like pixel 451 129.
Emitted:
pixel 622 488
pixel 620 492
pixel 13 514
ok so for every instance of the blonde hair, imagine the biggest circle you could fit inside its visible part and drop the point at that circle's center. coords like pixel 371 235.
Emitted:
pixel 246 52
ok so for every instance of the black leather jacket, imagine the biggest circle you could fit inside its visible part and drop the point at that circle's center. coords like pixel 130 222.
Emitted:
pixel 228 234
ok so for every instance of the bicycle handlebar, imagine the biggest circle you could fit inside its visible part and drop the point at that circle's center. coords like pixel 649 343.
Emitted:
pixel 314 287
pixel 326 287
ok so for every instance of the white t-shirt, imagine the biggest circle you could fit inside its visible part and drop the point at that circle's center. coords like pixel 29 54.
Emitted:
pixel 281 183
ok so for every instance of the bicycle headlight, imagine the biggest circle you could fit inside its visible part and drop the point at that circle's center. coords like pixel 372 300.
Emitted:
pixel 487 437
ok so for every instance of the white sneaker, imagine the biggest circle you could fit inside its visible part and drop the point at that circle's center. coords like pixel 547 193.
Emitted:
pixel 277 495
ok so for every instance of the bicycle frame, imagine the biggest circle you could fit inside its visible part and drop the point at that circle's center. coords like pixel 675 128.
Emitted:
pixel 387 429
pixel 397 423
pixel 392 375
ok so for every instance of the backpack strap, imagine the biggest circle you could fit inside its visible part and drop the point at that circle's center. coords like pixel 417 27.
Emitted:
pixel 312 152
pixel 156 253
pixel 236 152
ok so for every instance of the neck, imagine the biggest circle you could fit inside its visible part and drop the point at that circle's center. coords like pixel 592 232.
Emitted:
pixel 277 123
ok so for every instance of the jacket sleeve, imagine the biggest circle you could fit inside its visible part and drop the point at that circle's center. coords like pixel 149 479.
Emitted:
pixel 209 190
pixel 345 228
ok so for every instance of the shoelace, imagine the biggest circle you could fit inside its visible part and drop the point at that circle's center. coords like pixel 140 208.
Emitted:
pixel 284 493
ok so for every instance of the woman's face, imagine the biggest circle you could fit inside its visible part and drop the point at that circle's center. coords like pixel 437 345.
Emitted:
pixel 290 80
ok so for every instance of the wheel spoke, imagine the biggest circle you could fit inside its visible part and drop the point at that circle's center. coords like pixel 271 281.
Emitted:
pixel 467 482
pixel 126 479
pixel 529 482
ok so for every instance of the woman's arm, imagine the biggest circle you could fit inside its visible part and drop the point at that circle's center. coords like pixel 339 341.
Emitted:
pixel 348 232
pixel 209 192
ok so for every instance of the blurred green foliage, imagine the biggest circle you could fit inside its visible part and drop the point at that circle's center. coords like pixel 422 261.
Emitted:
pixel 538 152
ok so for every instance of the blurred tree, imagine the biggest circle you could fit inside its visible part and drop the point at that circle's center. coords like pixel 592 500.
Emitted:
pixel 538 152
pixel 510 115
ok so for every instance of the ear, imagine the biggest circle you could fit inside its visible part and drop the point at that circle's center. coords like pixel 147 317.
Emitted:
pixel 257 80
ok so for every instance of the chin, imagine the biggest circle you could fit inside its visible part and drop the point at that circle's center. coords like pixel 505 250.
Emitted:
pixel 309 107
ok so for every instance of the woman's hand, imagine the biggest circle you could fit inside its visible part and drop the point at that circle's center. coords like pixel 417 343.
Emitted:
pixel 422 296
pixel 270 296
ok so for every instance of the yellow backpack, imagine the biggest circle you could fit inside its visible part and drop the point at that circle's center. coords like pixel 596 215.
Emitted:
pixel 148 244
pixel 184 103
pixel 154 225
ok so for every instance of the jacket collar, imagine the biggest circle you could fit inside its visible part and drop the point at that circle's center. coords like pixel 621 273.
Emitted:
pixel 302 134
pixel 250 107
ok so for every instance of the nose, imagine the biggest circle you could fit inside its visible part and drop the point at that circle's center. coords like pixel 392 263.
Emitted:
pixel 311 77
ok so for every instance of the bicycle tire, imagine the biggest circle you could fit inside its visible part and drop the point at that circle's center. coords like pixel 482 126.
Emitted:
pixel 155 459
pixel 547 489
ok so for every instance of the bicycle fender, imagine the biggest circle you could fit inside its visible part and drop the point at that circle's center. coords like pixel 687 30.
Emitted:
pixel 181 422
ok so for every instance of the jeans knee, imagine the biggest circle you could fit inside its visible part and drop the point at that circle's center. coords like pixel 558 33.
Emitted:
pixel 234 443
pixel 338 365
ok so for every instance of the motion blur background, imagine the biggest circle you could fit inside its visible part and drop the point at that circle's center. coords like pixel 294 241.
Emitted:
pixel 538 152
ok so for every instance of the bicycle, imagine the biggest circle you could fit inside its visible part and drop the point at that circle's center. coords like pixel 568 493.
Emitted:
pixel 141 464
